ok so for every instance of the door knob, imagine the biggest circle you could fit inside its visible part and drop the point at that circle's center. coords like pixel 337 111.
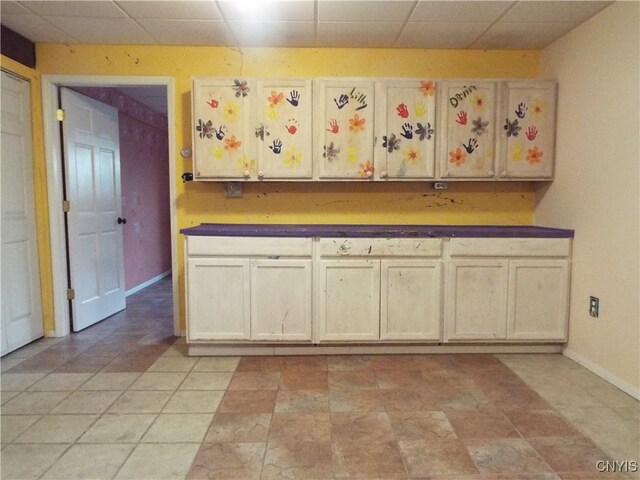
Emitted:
pixel 121 221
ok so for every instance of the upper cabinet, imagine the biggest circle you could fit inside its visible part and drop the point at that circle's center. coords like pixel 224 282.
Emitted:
pixel 345 128
pixel 528 133
pixel 283 129
pixel 223 140
pixel 468 129
pixel 405 117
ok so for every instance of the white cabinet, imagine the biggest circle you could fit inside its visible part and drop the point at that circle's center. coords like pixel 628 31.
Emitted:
pixel 410 299
pixel 348 300
pixel 507 289
pixel 284 129
pixel 476 301
pixel 405 130
pixel 218 299
pixel 528 133
pixel 468 110
pixel 249 288
pixel 344 130
pixel 538 299
pixel 281 299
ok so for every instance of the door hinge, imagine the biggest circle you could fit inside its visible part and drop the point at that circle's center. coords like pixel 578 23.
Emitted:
pixel 66 206
pixel 60 115
pixel 71 294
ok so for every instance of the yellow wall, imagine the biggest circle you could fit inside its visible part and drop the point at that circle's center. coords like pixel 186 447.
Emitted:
pixel 40 186
pixel 470 203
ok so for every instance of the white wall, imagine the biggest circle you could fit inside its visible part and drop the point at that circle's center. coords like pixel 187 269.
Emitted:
pixel 596 187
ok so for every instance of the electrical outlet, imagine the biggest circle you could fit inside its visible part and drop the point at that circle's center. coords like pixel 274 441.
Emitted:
pixel 594 306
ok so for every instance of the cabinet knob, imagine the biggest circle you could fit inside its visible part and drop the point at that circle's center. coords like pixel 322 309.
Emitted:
pixel 369 174
pixel 504 173
pixel 383 174
pixel 490 173
pixel 246 174
pixel 261 174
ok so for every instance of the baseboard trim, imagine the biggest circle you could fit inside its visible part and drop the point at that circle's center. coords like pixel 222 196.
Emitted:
pixel 203 349
pixel 149 282
pixel 626 387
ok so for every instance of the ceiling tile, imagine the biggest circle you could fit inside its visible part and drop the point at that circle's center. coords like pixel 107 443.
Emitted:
pixel 75 8
pixel 188 32
pixel 271 10
pixel 102 30
pixel 184 10
pixel 35 29
pixel 553 11
pixel 363 11
pixel 274 34
pixel 13 8
pixel 440 34
pixel 357 34
pixel 454 11
pixel 532 36
pixel 153 97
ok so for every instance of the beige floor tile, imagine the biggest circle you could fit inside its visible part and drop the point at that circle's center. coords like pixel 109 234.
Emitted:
pixel 159 381
pixel 176 350
pixel 14 425
pixel 6 396
pixel 159 461
pixel 57 429
pixel 140 402
pixel 569 397
pixel 25 462
pixel 206 381
pixel 87 402
pixel 238 428
pixel 178 427
pixel 118 428
pixel 194 401
pixel 60 382
pixel 95 462
pixel 17 382
pixel 614 397
pixel 33 402
pixel 173 364
pixel 226 461
pixel 8 363
pixel 216 364
pixel 30 350
pixel 110 381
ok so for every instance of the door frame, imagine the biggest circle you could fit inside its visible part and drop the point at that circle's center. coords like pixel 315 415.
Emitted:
pixel 55 182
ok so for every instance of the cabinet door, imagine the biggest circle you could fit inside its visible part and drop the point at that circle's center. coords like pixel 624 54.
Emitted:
pixel 410 300
pixel 281 300
pixel 283 129
pixel 528 134
pixel 344 130
pixel 218 299
pixel 468 129
pixel 223 137
pixel 405 115
pixel 538 299
pixel 476 300
pixel 348 300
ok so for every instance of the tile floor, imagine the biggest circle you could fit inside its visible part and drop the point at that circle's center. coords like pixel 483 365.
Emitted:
pixel 122 400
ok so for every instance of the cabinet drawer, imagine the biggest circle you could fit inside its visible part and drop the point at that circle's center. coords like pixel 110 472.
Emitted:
pixel 380 247
pixel 510 247
pixel 253 246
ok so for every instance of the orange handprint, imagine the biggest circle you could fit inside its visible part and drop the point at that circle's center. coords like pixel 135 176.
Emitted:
pixel 333 126
pixel 462 118
pixel 532 132
pixel 402 110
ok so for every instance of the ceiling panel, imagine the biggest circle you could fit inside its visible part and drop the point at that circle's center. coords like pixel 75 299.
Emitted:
pixel 555 11
pixel 274 34
pixel 75 8
pixel 532 36
pixel 184 10
pixel 188 32
pixel 428 11
pixel 102 30
pixel 364 11
pixel 440 34
pixel 285 10
pixel 356 35
pixel 36 29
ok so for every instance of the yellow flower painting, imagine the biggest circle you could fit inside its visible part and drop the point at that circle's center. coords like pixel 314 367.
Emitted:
pixel 230 111
pixel 292 157
pixel 352 154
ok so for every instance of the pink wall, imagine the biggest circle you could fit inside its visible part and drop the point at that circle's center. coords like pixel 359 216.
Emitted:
pixel 144 174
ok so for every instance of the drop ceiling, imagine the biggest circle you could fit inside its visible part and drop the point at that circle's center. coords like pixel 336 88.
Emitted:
pixel 301 23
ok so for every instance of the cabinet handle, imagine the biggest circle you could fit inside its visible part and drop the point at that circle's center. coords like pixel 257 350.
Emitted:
pixel 490 173
pixel 369 174
pixel 261 174
pixel 383 174
pixel 246 174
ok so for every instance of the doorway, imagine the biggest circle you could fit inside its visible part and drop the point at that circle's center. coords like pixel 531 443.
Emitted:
pixel 55 181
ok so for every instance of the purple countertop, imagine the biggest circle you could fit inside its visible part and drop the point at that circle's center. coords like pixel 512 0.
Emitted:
pixel 383 231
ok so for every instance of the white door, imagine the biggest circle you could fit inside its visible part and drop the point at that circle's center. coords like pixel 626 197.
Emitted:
pixel 349 300
pixel 92 167
pixel 218 299
pixel 281 300
pixel 21 308
pixel 410 300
